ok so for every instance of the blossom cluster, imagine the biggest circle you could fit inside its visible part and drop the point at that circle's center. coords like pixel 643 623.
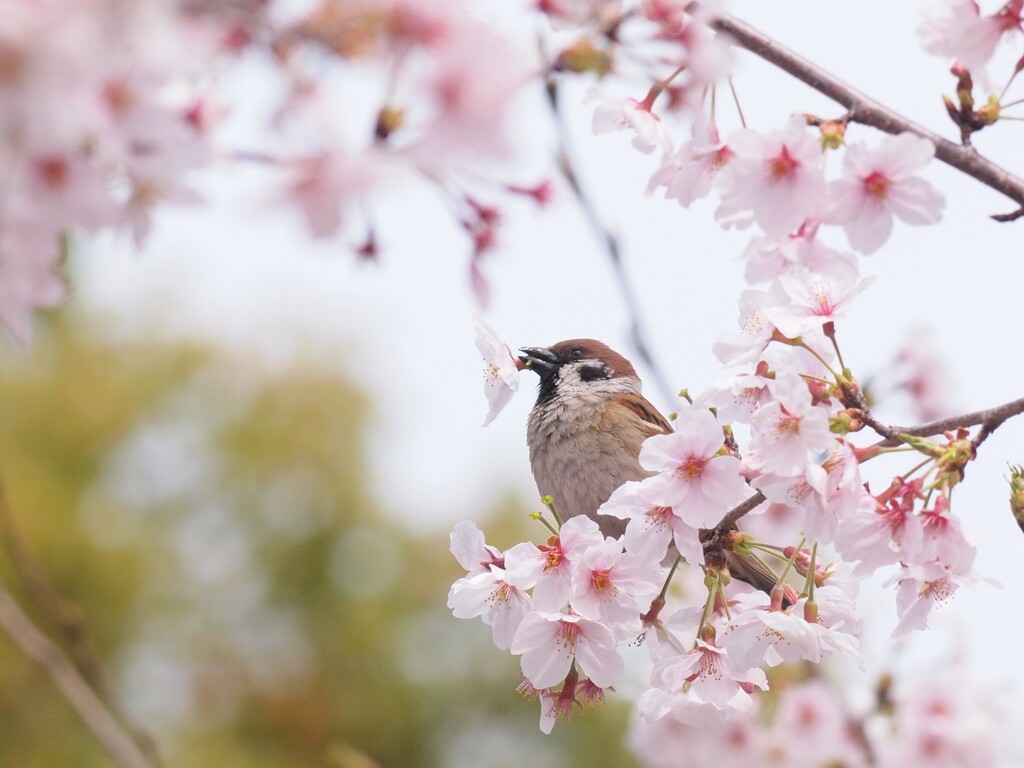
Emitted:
pixel 807 722
pixel 778 438
pixel 108 110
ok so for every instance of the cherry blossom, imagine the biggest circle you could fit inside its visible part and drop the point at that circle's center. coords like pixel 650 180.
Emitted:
pixel 484 592
pixel 768 259
pixel 547 569
pixel 613 114
pixel 956 30
pixel 878 185
pixel 785 430
pixel 805 492
pixel 694 477
pixel 501 370
pixel 943 539
pixel 689 172
pixel 880 531
pixel 326 186
pixel 737 398
pixel 921 587
pixel 489 596
pixel 756 328
pixel 705 677
pixel 28 274
pixel 774 180
pixel 652 527
pixel 566 14
pixel 816 298
pixel 759 634
pixel 614 587
pixel 925 376
pixel 550 642
pixel 471 550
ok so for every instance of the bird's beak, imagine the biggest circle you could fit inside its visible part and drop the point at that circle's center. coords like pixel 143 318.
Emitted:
pixel 540 360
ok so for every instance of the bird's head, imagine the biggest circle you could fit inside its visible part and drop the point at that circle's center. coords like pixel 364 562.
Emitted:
pixel 579 367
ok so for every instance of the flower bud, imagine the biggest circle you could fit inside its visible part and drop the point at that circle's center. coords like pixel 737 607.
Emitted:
pixel 389 120
pixel 584 56
pixel 811 611
pixel 707 634
pixel 833 134
pixel 1017 494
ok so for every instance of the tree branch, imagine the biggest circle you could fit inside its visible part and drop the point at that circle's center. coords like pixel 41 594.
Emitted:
pixel 867 111
pixel 734 514
pixel 76 690
pixel 66 620
pixel 990 420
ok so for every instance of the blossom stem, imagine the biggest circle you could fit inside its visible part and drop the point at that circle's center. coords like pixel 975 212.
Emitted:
pixel 658 87
pixel 809 377
pixel 790 561
pixel 736 101
pixel 913 470
pixel 705 615
pixel 830 330
pixel 809 585
pixel 1006 87
pixel 770 549
pixel 668 579
pixel 549 526
pixel 549 502
pixel 801 343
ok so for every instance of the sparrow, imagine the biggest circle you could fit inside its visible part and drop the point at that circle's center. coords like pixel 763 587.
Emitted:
pixel 585 432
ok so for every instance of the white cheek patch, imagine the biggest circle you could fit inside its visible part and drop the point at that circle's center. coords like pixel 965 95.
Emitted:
pixel 571 386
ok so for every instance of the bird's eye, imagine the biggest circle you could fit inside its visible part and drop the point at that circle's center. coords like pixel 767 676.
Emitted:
pixel 576 353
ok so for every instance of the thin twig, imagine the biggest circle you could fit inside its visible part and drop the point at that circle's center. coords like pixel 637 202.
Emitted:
pixel 611 244
pixel 990 419
pixel 867 111
pixel 104 726
pixel 63 617
pixel 66 620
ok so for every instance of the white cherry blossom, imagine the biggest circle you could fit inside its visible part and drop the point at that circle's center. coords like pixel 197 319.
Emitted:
pixel 774 180
pixel 693 477
pixel 501 371
pixel 550 642
pixel 880 184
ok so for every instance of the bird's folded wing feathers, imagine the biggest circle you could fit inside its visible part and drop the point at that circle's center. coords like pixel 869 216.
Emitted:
pixel 653 422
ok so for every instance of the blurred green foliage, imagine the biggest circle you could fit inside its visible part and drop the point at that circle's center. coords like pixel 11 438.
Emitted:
pixel 212 519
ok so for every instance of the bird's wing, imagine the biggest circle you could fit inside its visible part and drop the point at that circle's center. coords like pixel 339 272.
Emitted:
pixel 652 421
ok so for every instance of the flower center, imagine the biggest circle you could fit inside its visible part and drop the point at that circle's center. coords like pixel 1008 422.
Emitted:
pixel 783 166
pixel 568 634
pixel 601 581
pixel 877 185
pixel 690 468
pixel 552 558
pixel 52 171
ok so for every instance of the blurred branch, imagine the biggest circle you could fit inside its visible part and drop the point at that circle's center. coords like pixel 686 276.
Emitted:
pixel 867 111
pixel 76 690
pixel 64 618
pixel 610 242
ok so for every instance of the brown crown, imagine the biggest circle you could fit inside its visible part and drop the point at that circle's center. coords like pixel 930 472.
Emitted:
pixel 596 350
